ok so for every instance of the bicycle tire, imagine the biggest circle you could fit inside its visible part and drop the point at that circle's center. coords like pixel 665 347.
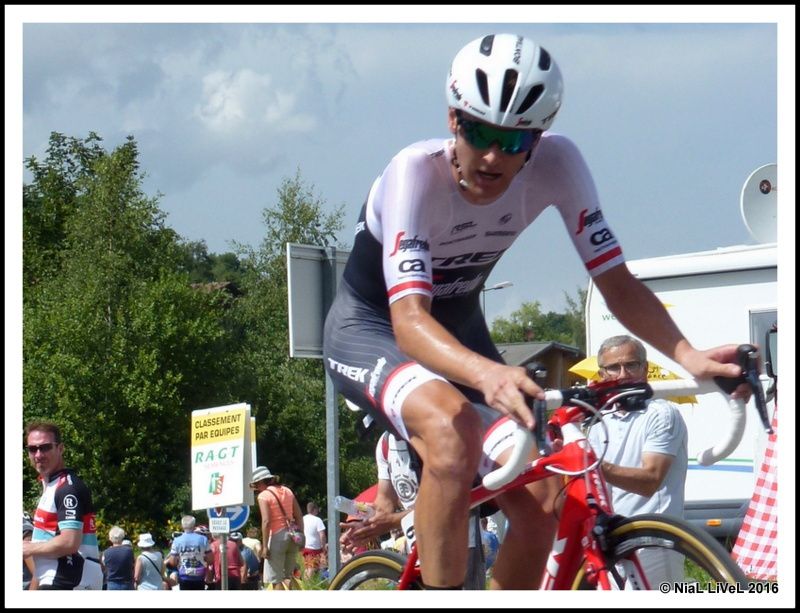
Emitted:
pixel 372 570
pixel 652 531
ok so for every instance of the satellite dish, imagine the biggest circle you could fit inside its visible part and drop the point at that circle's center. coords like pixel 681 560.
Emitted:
pixel 759 202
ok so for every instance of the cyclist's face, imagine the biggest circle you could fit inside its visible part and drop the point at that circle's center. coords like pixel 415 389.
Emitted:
pixel 488 172
pixel 45 454
pixel 622 363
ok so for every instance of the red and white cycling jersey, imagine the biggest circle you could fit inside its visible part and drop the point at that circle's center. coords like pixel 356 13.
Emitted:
pixel 395 464
pixel 425 238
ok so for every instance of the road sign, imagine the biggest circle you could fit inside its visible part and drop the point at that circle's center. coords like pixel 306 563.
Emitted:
pixel 237 515
pixel 219 525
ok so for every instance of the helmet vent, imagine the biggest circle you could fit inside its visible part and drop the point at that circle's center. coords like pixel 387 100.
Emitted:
pixel 483 85
pixel 544 60
pixel 531 98
pixel 509 83
pixel 486 45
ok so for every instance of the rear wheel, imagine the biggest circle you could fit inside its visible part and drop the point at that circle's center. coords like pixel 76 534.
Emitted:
pixel 666 550
pixel 372 570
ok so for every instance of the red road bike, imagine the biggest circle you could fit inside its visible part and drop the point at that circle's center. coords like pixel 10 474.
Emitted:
pixel 594 548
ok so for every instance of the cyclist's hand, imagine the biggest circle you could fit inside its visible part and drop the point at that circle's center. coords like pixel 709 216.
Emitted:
pixel 716 362
pixel 505 387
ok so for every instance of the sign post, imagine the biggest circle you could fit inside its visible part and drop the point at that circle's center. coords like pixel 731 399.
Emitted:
pixel 314 273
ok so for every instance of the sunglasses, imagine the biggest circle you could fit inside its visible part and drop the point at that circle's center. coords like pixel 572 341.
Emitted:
pixel 44 448
pixel 615 369
pixel 482 136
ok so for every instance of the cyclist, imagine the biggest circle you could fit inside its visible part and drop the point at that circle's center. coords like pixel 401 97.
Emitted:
pixel 406 334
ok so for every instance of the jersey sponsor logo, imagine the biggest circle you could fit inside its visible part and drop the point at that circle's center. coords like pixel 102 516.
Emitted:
pixel 70 506
pixel 409 244
pixel 351 372
pixel 411 266
pixel 586 219
pixel 459 286
pixel 458 240
pixel 500 233
pixel 360 226
pixel 375 375
pixel 462 259
pixel 463 226
pixel 601 236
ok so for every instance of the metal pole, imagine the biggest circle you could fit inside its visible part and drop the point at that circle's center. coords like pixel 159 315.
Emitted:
pixel 223 556
pixel 331 427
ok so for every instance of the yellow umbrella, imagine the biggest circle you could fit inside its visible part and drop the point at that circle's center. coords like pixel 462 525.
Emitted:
pixel 589 369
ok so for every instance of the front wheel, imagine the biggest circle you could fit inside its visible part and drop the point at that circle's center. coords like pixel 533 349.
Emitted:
pixel 372 570
pixel 651 550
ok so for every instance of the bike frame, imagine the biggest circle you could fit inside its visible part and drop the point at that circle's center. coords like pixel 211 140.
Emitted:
pixel 586 504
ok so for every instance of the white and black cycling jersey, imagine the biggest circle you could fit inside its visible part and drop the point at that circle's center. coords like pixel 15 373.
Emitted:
pixel 417 233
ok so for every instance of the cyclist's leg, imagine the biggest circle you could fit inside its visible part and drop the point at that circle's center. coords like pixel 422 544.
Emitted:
pixel 446 432
pixel 532 523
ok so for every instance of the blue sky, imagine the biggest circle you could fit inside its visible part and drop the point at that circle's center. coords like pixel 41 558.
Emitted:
pixel 672 107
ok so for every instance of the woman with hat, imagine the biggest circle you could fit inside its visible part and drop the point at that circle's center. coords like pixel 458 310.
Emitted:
pixel 280 516
pixel 149 571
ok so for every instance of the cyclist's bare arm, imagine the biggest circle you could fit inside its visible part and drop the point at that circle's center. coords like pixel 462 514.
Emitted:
pixel 641 312
pixel 426 341
pixel 386 517
pixel 643 480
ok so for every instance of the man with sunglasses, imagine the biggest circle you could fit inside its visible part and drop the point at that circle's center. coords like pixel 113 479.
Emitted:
pixel 406 335
pixel 64 542
pixel 646 459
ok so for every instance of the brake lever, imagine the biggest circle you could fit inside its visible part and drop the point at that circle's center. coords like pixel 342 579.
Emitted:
pixel 748 361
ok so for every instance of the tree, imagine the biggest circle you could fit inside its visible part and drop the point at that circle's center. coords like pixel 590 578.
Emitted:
pixel 288 395
pixel 117 347
pixel 528 323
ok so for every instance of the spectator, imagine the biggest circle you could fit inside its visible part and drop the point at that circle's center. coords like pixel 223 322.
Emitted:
pixel 315 551
pixel 251 577
pixel 233 558
pixel 148 573
pixel 28 569
pixel 191 553
pixel 118 561
pixel 64 543
pixel 253 541
pixel 491 544
pixel 279 508
pixel 646 460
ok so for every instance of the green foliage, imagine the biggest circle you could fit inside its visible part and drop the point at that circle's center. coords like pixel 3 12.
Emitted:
pixel 117 347
pixel 528 323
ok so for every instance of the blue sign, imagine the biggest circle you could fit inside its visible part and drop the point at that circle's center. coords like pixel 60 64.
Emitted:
pixel 237 515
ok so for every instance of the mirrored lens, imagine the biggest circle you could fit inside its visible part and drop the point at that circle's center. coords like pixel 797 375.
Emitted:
pixel 482 136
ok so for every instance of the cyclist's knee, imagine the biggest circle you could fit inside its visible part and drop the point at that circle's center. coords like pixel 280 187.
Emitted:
pixel 452 445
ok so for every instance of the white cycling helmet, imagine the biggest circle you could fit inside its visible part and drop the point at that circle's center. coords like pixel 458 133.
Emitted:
pixel 506 80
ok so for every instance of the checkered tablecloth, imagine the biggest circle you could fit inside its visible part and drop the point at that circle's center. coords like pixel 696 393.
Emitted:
pixel 756 548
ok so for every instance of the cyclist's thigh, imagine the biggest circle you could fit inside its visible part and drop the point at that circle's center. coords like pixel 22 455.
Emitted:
pixel 365 364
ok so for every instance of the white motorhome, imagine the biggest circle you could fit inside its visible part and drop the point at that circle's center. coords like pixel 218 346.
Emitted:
pixel 727 295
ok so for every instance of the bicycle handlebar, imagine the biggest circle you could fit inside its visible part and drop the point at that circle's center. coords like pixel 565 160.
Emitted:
pixel 597 395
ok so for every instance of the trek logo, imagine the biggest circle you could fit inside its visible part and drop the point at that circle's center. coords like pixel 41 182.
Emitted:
pixel 351 372
pixel 585 220
pixel 478 257
pixel 411 266
pixel 463 226
pixel 601 236
pixel 409 244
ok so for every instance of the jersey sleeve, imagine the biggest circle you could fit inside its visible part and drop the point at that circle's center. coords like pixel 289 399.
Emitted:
pixel 568 184
pixel 400 206
pixel 73 503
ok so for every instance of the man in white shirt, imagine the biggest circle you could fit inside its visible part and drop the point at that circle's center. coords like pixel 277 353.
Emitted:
pixel 315 551
pixel 646 460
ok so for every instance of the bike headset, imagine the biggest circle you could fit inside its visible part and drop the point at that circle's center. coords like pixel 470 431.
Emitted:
pixel 506 80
